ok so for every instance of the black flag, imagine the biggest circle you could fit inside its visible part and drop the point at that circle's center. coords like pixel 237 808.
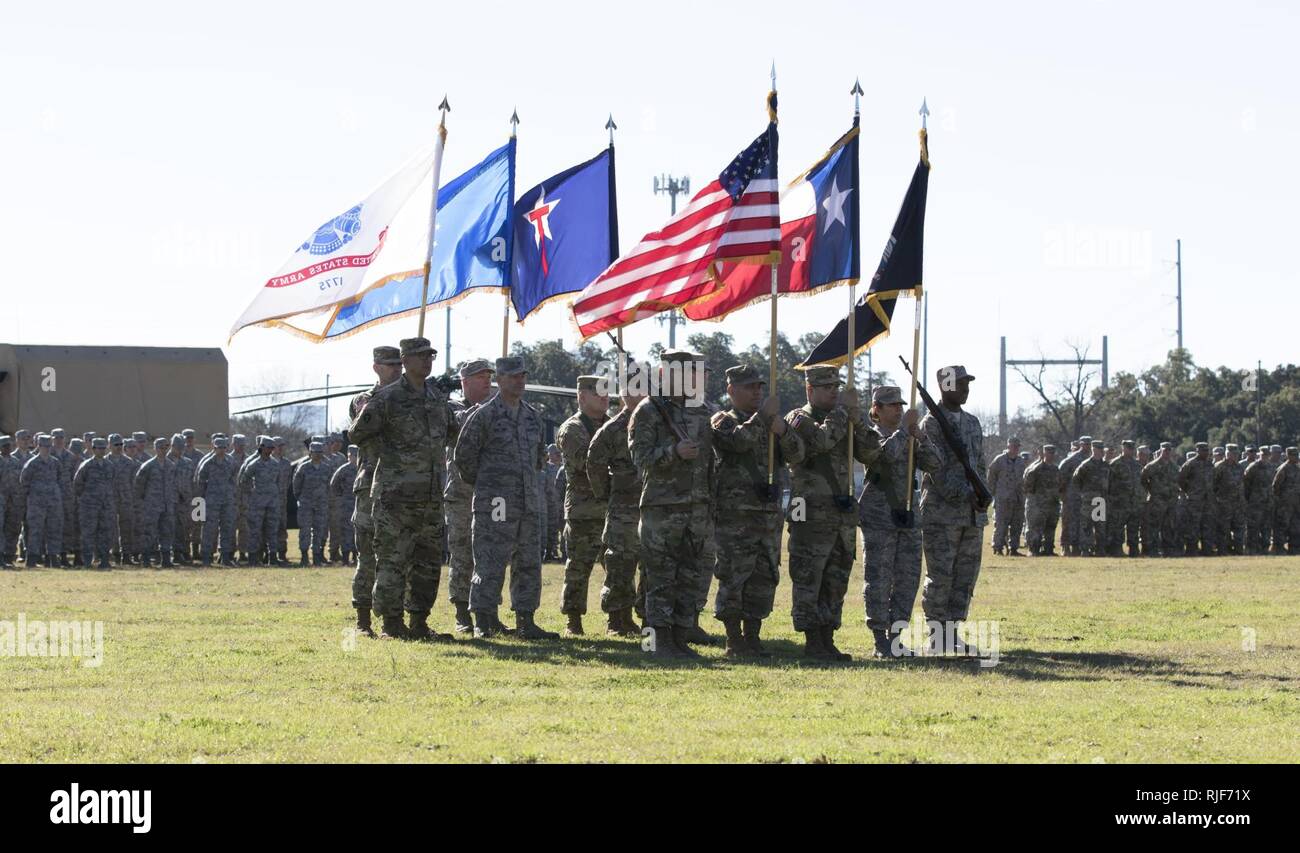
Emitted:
pixel 899 272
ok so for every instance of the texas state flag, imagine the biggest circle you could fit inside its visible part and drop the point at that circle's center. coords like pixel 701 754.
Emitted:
pixel 819 238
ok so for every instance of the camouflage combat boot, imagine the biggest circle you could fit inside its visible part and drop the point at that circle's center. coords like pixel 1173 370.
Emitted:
pixel 302 563
pixel 464 622
pixel 682 638
pixel 813 647
pixel 828 640
pixel 420 630
pixel 751 628
pixel 527 629
pixel 486 624
pixel 663 647
pixel 103 564
pixel 736 645
pixel 393 629
pixel 363 622
pixel 699 636
pixel 884 643
pixel 166 559
pixel 574 628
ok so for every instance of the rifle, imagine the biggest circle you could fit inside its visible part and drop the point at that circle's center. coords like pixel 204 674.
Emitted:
pixel 982 496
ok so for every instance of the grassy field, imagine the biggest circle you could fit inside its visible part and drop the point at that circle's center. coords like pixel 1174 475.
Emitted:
pixel 1101 660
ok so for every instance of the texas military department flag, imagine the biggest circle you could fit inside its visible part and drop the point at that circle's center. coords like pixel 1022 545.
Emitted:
pixel 565 233
pixel 899 272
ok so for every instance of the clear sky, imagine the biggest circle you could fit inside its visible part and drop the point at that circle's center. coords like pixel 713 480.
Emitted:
pixel 160 161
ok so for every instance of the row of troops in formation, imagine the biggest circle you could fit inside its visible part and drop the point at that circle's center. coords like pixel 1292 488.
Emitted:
pixel 96 499
pixel 667 493
pixel 1209 501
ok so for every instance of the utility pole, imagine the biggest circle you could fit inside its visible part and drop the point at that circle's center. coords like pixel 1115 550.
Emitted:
pixel 1259 374
pixel 673 186
pixel 1179 264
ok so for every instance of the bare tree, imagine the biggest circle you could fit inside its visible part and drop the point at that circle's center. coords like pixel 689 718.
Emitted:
pixel 1067 400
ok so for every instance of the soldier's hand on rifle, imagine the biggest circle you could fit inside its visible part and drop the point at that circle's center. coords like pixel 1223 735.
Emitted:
pixel 687 449
pixel 771 410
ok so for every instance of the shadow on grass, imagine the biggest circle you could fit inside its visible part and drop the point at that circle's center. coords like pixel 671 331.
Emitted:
pixel 1032 665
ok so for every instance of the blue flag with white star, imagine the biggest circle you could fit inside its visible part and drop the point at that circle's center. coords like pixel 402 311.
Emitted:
pixel 565 233
pixel 471 247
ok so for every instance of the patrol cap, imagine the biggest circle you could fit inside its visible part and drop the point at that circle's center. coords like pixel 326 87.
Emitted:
pixel 221 442
pixel 352 448
pixel 187 433
pixel 743 374
pixel 387 355
pixel 953 373
pixel 99 444
pixel 57 432
pixel 160 442
pixel 76 444
pixel 316 447
pixel 416 346
pixel 44 440
pixel 1098 444
pixel 1292 451
pixel 222 434
pixel 22 433
pixel 510 365
pixel 278 440
pixel 315 439
pixel 1202 445
pixel 1015 439
pixel 6 440
pixel 473 366
pixel 1166 445
pixel 178 440
pixel 1128 442
pixel 130 442
pixel 115 439
pixel 238 439
pixel 1143 447
pixel 1276 448
pixel 824 375
pixel 588 382
pixel 682 355
pixel 1050 448
pixel 1191 454
pixel 1250 448
pixel 1085 439
pixel 140 435
pixel 552 448
pixel 885 395
pixel 87 436
pixel 1231 448
pixel 265 441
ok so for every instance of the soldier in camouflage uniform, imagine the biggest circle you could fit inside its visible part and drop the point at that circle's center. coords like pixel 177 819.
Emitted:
pixel 182 494
pixel 124 474
pixel 891 539
pixel 614 479
pixel 281 542
pixel 259 481
pixel 499 453
pixel 458 497
pixel 1092 481
pixel 335 459
pixel 1123 501
pixel 68 462
pixel 40 479
pixel 9 471
pixel 1006 481
pixel 239 453
pixel 1257 488
pixel 409 424
pixel 17 511
pixel 671 446
pixel 822 532
pixel 96 494
pixel 155 495
pixel 1286 495
pixel 1042 482
pixel 191 531
pixel 1229 504
pixel 1159 479
pixel 554 502
pixel 387 366
pixel 1070 504
pixel 1275 459
pixel 215 484
pixel 749 539
pixel 584 513
pixel 311 484
pixel 952 516
pixel 1196 480
pixel 344 504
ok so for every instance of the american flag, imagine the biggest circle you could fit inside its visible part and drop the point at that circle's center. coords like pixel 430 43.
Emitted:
pixel 735 217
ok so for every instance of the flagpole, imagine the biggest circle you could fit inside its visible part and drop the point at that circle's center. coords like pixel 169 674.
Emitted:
pixel 443 108
pixel 916 339
pixel 505 295
pixel 771 347
pixel 856 92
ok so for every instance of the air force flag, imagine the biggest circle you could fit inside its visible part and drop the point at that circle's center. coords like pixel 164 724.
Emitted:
pixel 565 232
pixel 471 247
